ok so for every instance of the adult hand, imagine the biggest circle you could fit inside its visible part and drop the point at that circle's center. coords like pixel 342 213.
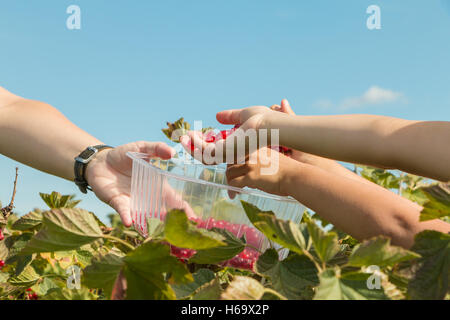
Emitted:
pixel 109 174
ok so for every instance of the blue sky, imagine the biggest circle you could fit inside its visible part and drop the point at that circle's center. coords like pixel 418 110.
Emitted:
pixel 136 64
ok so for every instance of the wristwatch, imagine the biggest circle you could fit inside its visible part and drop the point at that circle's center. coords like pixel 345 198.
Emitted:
pixel 82 161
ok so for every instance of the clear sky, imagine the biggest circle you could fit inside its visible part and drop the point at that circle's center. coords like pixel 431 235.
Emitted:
pixel 136 64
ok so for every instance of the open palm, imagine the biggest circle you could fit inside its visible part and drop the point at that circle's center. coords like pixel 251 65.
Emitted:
pixel 109 174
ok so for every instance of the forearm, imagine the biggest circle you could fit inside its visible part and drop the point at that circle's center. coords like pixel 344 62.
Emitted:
pixel 417 147
pixel 359 209
pixel 38 135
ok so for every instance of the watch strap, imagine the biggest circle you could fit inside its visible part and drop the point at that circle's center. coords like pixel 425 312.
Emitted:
pixel 81 163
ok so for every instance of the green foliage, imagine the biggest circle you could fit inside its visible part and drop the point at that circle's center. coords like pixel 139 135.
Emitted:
pixel 56 200
pixel 438 204
pixel 294 277
pixel 431 280
pixel 349 286
pixel 323 262
pixel 378 251
pixel 232 247
pixel 286 233
pixel 181 232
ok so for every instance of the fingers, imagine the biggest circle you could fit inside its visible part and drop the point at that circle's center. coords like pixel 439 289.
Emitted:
pixel 235 171
pixel 232 116
pixel 286 107
pixel 157 149
pixel 121 204
pixel 240 182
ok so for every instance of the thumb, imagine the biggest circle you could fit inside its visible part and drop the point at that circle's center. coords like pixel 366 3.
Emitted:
pixel 286 107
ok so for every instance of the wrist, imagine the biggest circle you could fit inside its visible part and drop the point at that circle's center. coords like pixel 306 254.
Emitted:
pixel 288 176
pixel 85 164
pixel 93 164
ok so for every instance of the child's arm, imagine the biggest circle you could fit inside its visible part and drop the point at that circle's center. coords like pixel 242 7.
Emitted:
pixel 359 209
pixel 418 147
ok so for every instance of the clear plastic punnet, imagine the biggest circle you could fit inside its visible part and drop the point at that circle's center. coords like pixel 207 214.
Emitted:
pixel 157 186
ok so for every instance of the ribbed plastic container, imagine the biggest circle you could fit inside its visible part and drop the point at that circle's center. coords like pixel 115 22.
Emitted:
pixel 157 186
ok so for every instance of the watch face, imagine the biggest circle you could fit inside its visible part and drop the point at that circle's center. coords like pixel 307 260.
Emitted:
pixel 89 153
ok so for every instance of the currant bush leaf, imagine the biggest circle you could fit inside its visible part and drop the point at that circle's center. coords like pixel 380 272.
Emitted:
pixel 64 229
pixel 103 271
pixel 208 291
pixel 293 277
pixel 233 246
pixel 438 204
pixel 55 200
pixel 378 251
pixel 284 232
pixel 348 286
pixel 183 233
pixel 201 277
pixel 325 243
pixel 29 221
pixel 431 280
pixel 144 269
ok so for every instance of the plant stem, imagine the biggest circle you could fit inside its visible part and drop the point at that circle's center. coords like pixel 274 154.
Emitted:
pixel 128 245
pixel 310 257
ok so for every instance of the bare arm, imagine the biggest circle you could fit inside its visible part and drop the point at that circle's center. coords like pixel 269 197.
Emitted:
pixel 418 147
pixel 360 209
pixel 38 135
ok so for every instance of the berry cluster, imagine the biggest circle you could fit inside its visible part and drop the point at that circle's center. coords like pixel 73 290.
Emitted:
pixel 244 260
pixel 283 150
pixel 182 254
pixel 32 295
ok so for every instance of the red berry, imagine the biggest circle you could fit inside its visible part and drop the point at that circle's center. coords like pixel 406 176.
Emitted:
pixel 1 235
pixel 2 263
pixel 29 289
pixel 210 137
pixel 192 146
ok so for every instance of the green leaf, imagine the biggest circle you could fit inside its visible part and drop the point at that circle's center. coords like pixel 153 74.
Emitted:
pixel 69 294
pixel 103 271
pixel 284 232
pixel 175 130
pixel 293 277
pixel 144 271
pixel 55 200
pixel 325 243
pixel 233 246
pixel 378 251
pixel 155 228
pixel 438 204
pixel 29 221
pixel 208 291
pixel 201 277
pixel 183 233
pixel 381 177
pixel 243 288
pixel 64 229
pixel 431 280
pixel 349 286
pixel 27 277
pixel 246 288
pixel 43 287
